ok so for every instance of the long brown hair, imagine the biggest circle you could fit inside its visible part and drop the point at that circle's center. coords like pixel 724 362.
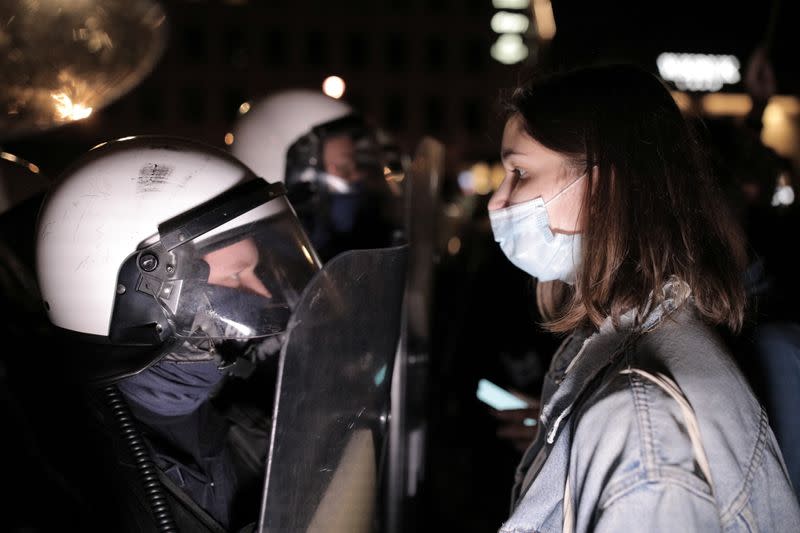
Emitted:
pixel 653 211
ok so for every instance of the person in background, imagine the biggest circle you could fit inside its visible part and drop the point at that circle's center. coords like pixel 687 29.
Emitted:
pixel 646 421
pixel 758 184
pixel 335 164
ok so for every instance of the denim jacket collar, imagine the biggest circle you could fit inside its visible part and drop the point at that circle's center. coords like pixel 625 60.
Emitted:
pixel 601 349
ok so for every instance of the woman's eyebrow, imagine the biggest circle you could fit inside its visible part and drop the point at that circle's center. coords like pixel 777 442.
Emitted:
pixel 508 152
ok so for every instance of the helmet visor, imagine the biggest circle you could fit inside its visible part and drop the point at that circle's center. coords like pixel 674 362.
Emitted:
pixel 242 279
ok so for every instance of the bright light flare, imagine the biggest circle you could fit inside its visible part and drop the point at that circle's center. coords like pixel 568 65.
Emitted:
pixel 698 72
pixel 545 20
pixel 333 86
pixel 509 49
pixel 505 22
pixel 307 254
pixel 453 245
pixel 69 110
pixel 511 4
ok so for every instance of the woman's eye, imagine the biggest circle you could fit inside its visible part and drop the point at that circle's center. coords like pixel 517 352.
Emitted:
pixel 520 173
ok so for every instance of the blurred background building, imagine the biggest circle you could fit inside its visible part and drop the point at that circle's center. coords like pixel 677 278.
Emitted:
pixel 418 67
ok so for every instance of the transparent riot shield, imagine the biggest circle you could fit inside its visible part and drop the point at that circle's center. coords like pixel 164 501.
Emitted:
pixel 330 419
pixel 412 366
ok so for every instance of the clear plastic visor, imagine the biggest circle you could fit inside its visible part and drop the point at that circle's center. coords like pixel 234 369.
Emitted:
pixel 240 280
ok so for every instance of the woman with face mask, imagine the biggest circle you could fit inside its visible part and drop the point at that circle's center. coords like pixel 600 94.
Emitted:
pixel 646 422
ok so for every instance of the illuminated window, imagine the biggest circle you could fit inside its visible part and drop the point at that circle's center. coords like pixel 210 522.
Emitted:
pixel 699 72
pixel 509 48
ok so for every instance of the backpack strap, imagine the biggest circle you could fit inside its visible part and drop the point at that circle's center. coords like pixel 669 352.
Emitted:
pixel 669 386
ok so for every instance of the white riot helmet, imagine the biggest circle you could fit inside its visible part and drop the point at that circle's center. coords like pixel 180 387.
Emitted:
pixel 149 243
pixel 263 135
pixel 332 162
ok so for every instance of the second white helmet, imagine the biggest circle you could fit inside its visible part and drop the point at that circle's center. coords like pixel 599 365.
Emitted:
pixel 263 136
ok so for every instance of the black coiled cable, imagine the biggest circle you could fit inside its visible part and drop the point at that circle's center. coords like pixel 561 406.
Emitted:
pixel 153 488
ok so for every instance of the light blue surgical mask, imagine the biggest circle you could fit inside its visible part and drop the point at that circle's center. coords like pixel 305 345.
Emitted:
pixel 524 234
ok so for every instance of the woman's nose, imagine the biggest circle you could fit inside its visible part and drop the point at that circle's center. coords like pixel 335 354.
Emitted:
pixel 500 197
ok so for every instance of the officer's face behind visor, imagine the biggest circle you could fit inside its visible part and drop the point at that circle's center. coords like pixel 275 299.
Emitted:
pixel 240 280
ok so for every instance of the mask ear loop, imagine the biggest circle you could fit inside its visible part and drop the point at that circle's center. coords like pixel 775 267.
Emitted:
pixel 565 189
pixel 562 191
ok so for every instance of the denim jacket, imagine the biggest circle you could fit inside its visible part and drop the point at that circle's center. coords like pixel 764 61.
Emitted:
pixel 620 448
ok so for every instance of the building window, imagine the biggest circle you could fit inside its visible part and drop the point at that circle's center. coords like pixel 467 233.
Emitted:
pixel 434 115
pixel 195 45
pixel 437 6
pixel 316 49
pixel 476 7
pixel 473 115
pixel 356 51
pixel 234 48
pixel 435 54
pixel 476 54
pixel 400 6
pixel 193 105
pixel 275 48
pixel 395 113
pixel 396 52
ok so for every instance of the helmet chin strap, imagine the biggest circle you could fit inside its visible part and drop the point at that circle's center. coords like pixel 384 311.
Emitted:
pixel 230 359
pixel 194 351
